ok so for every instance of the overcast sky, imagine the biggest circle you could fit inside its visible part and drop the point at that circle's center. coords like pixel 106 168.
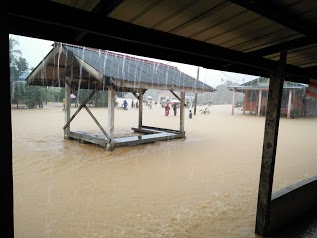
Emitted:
pixel 34 50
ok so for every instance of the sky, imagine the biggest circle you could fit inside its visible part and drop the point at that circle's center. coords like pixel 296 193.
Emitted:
pixel 34 50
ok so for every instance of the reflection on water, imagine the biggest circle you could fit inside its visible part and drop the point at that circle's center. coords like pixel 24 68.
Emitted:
pixel 202 186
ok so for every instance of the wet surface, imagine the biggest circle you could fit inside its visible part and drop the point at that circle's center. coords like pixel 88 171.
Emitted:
pixel 202 186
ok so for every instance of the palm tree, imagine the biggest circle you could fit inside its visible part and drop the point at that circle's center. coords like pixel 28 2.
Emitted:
pixel 14 54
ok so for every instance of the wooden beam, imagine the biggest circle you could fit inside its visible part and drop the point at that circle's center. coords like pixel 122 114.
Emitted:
pixel 59 22
pixel 103 8
pixel 76 19
pixel 175 95
pixel 98 124
pixel 80 107
pixel 287 45
pixel 269 148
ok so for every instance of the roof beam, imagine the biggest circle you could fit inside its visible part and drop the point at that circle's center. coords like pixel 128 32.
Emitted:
pixel 148 42
pixel 274 12
pixel 288 45
pixel 102 8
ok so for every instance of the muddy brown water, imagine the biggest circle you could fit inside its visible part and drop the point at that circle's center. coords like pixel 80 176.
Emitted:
pixel 202 186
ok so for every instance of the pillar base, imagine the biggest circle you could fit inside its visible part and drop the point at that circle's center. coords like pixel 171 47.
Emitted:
pixel 110 147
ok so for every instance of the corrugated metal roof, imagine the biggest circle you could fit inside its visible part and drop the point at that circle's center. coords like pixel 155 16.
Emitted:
pixel 263 83
pixel 122 70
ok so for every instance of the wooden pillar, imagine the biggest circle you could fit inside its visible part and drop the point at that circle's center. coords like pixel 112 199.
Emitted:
pixel 6 128
pixel 269 147
pixel 245 95
pixel 182 113
pixel 195 104
pixel 67 104
pixel 141 92
pixel 259 103
pixel 289 106
pixel 111 103
pixel 233 93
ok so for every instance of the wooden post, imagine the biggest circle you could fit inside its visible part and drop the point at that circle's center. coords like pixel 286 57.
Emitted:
pixel 289 105
pixel 233 93
pixel 245 95
pixel 195 106
pixel 269 147
pixel 141 92
pixel 182 113
pixel 259 102
pixel 111 102
pixel 6 154
pixel 67 105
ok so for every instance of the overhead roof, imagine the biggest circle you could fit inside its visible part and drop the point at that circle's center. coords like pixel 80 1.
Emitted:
pixel 243 36
pixel 89 67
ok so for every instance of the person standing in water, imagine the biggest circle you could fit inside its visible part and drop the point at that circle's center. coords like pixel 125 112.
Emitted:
pixel 175 109
pixel 167 110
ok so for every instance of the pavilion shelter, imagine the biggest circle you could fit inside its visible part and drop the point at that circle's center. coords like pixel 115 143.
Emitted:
pixel 294 103
pixel 75 67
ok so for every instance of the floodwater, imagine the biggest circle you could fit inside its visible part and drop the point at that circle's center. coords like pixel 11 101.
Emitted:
pixel 202 186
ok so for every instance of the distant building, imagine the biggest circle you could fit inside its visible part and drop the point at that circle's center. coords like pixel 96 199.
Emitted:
pixel 295 102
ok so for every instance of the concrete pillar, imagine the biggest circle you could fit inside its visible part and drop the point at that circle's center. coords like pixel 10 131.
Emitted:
pixel 233 94
pixel 141 92
pixel 269 147
pixel 259 103
pixel 182 113
pixel 67 104
pixel 289 105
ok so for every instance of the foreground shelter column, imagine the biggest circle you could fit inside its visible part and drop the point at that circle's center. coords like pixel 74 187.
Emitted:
pixel 182 113
pixel 111 103
pixel 269 147
pixel 6 158
pixel 67 104
pixel 141 92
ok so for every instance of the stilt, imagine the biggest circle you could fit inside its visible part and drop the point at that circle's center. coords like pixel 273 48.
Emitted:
pixel 233 93
pixel 182 113
pixel 111 103
pixel 259 103
pixel 289 105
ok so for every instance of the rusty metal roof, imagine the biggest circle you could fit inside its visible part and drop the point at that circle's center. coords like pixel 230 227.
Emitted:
pixel 242 36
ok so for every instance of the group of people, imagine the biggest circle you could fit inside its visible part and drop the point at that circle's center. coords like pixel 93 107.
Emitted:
pixel 167 109
pixel 174 107
pixel 134 105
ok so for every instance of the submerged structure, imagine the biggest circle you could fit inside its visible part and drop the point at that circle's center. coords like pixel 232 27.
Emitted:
pixel 294 102
pixel 75 67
